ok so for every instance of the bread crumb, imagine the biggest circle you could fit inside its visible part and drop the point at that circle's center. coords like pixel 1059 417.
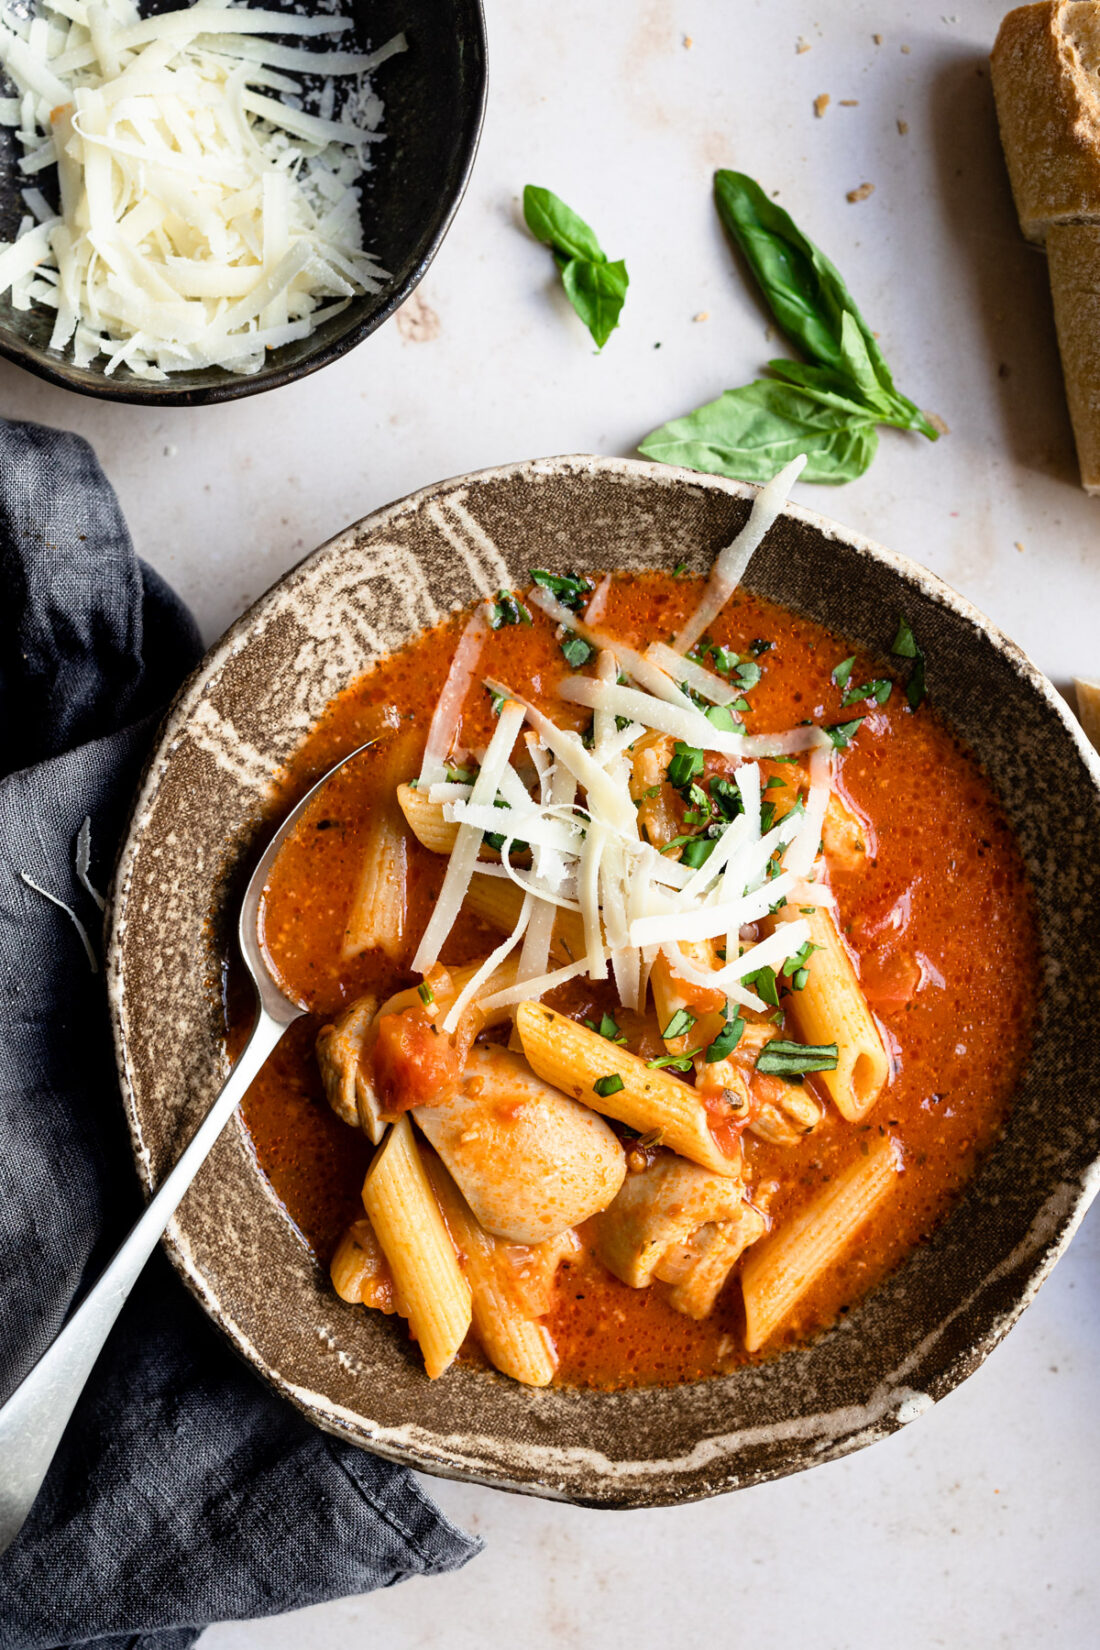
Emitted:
pixel 903 127
pixel 821 103
pixel 877 38
pixel 849 103
pixel 688 42
pixel 861 193
pixel 1019 547
pixel 703 315
pixel 906 50
pixel 801 46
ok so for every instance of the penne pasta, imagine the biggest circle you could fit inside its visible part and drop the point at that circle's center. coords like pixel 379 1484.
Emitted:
pixel 404 1214
pixel 497 900
pixel 511 1340
pixel 425 820
pixel 645 1098
pixel 831 1008
pixel 779 1273
pixel 376 920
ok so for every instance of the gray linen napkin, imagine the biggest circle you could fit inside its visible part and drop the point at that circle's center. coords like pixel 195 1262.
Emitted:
pixel 184 1492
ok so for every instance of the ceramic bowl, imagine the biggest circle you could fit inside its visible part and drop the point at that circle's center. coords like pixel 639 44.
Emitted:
pixel 434 96
pixel 196 824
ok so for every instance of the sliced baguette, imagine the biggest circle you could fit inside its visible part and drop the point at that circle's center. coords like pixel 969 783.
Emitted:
pixel 1073 254
pixel 1046 82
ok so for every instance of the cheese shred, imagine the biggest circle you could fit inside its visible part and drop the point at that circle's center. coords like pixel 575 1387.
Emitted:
pixel 204 214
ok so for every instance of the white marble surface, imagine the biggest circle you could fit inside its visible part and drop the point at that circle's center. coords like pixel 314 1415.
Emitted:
pixel 978 1526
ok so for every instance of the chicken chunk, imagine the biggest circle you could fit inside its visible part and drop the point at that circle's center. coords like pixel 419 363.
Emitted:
pixel 345 1071
pixel 529 1161
pixel 677 1222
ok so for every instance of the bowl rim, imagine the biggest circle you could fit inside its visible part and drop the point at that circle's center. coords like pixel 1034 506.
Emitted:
pixel 235 387
pixel 893 1404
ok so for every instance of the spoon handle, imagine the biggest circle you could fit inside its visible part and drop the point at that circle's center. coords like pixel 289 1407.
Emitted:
pixel 35 1416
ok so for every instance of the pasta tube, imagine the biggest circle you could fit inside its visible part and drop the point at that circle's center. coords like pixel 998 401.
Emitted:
pixel 782 1270
pixel 402 1209
pixel 497 900
pixel 831 1008
pixel 611 1080
pixel 512 1341
pixel 377 916
pixel 425 819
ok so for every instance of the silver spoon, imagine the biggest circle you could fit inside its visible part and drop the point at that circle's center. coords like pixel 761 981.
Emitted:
pixel 35 1416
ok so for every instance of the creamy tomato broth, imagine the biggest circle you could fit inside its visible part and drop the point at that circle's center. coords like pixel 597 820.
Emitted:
pixel 930 896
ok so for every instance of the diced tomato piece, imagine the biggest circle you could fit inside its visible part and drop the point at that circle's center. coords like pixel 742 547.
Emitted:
pixel 414 1063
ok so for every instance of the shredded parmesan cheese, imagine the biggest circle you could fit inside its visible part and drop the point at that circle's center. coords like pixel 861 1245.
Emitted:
pixel 201 220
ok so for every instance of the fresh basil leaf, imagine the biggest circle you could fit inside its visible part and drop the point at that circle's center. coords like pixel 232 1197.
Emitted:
pixel 597 292
pixel 558 226
pixel 784 1059
pixel 751 432
pixel 721 717
pixel 842 673
pixel 576 649
pixel 570 591
pixel 809 298
pixel 748 675
pixel 726 1040
pixel 679 1025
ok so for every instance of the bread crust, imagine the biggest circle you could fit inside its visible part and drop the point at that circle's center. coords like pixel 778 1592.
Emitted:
pixel 1073 253
pixel 1046 82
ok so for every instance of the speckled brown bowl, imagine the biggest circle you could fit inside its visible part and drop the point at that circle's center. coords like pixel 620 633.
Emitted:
pixel 246 709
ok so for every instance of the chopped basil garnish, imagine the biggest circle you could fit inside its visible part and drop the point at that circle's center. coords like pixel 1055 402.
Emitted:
pixel 570 591
pixel 748 675
pixel 782 1059
pixel 497 839
pixel 678 1062
pixel 726 1040
pixel 726 797
pixel 775 783
pixel 843 671
pixel 879 690
pixel 681 567
pixel 759 646
pixel 685 764
pixel 576 649
pixel 905 647
pixel 697 851
pixel 497 701
pixel 425 993
pixel 763 982
pixel 721 717
pixel 506 610
pixel 605 1086
pixel 679 1025
pixel 606 1028
pixel 842 733
pixel 459 776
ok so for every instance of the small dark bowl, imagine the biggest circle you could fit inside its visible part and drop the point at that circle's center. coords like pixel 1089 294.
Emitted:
pixel 434 96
